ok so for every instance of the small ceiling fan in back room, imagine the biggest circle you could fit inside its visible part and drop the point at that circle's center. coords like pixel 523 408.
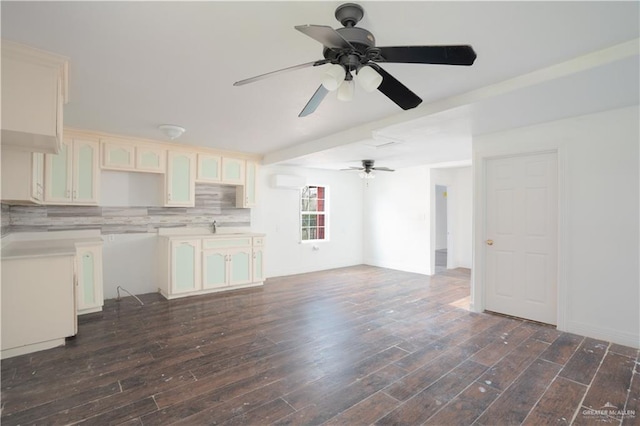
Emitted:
pixel 353 55
pixel 367 169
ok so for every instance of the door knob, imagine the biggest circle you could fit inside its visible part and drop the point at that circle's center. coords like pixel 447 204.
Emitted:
pixel 489 242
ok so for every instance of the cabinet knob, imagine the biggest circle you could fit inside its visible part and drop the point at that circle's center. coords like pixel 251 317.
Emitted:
pixel 489 242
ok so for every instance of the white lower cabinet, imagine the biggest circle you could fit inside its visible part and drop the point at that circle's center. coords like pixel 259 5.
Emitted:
pixel 240 266
pixel 215 269
pixel 258 259
pixel 209 264
pixel 185 266
pixel 89 295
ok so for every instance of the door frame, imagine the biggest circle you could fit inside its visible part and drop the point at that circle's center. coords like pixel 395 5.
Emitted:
pixel 480 159
pixel 450 206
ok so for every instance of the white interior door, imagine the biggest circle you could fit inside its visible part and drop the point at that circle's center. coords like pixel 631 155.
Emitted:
pixel 521 236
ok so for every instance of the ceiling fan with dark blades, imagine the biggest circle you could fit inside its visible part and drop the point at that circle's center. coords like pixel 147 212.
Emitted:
pixel 353 55
pixel 368 167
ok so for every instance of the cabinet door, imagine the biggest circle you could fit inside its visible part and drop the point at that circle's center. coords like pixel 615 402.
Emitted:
pixel 240 261
pixel 246 194
pixel 117 156
pixel 250 183
pixel 209 168
pixel 86 173
pixel 22 176
pixel 31 97
pixel 185 266
pixel 180 179
pixel 89 297
pixel 232 171
pixel 37 176
pixel 214 269
pixel 58 174
pixel 150 159
pixel 258 265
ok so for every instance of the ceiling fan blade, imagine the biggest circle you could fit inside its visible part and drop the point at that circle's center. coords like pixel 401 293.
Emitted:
pixel 313 103
pixel 396 91
pixel 445 55
pixel 325 35
pixel 382 169
pixel 272 73
pixel 352 169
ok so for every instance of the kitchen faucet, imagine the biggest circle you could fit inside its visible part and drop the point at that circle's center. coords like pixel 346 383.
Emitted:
pixel 213 227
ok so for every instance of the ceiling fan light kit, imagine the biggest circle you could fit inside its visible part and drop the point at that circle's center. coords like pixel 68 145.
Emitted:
pixel 368 78
pixel 353 49
pixel 334 77
pixel 346 91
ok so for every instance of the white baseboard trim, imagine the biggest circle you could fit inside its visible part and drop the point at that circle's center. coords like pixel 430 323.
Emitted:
pixel 295 271
pixel 595 332
pixel 424 270
pixel 33 347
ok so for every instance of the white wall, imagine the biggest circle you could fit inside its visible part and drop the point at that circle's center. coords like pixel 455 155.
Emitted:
pixel 459 185
pixel 277 215
pixel 396 220
pixel 131 189
pixel 130 261
pixel 599 195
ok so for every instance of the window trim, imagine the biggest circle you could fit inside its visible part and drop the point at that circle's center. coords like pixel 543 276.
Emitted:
pixel 324 212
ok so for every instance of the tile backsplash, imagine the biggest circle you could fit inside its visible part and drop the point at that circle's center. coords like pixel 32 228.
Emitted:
pixel 212 202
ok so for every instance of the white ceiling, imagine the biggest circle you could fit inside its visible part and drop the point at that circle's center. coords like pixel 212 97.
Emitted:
pixel 136 65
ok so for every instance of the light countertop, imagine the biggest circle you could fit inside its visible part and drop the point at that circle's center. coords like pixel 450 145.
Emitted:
pixel 45 244
pixel 206 233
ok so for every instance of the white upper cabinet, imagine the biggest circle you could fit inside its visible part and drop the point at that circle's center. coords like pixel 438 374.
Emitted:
pixel 22 177
pixel 117 156
pixel 72 176
pixel 131 156
pixel 209 168
pixel 180 179
pixel 232 171
pixel 246 194
pixel 34 91
pixel 151 159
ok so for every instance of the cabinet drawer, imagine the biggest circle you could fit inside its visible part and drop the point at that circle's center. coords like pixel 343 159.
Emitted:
pixel 226 243
pixel 258 241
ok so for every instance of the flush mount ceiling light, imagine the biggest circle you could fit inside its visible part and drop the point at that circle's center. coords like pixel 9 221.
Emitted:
pixel 172 131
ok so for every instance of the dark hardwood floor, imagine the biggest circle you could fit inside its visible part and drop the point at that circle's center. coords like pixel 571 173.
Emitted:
pixel 351 346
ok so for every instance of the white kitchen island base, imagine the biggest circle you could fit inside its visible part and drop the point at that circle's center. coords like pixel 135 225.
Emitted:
pixel 38 303
pixel 48 278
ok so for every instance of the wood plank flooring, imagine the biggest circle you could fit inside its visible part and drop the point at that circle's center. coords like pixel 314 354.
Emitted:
pixel 350 346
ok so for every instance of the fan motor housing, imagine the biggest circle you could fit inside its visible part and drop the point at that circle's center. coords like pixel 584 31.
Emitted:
pixel 360 38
